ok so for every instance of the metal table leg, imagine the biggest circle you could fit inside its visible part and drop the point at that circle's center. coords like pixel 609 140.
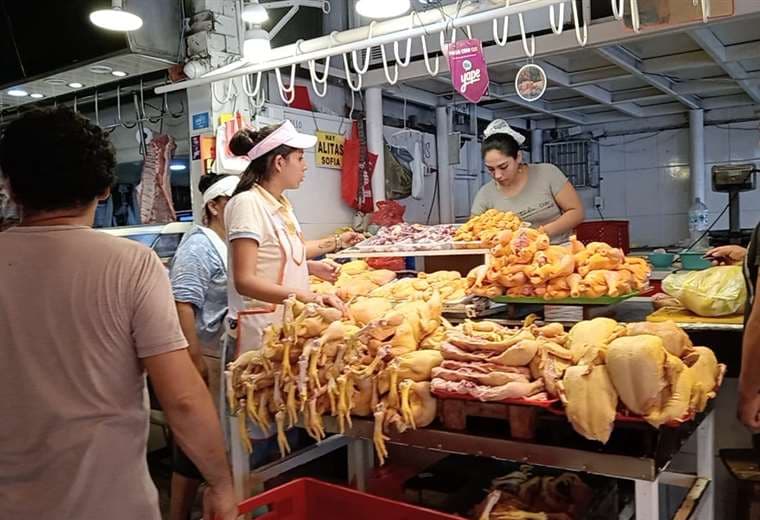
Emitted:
pixel 361 459
pixel 706 464
pixel 647 500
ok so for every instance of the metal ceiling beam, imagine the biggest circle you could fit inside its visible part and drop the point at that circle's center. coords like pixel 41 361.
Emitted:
pixel 681 61
pixel 593 92
pixel 597 75
pixel 706 39
pixel 702 86
pixel 743 51
pixel 638 94
pixel 626 61
pixel 496 91
pixel 738 100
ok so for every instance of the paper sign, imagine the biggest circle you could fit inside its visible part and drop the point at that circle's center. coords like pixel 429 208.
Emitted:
pixel 469 72
pixel 329 150
pixel 201 121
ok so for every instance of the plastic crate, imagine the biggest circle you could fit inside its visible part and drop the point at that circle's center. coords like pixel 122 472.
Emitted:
pixel 309 499
pixel 612 232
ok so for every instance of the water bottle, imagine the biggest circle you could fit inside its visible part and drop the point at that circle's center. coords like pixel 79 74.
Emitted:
pixel 698 221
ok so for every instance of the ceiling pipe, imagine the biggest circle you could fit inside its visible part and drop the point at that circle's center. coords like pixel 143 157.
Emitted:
pixel 397 29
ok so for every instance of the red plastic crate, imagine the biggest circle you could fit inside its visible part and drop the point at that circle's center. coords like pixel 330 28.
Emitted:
pixel 309 499
pixel 612 232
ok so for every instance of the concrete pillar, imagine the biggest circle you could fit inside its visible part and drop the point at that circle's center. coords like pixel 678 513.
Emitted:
pixel 445 179
pixel 373 98
pixel 536 145
pixel 697 154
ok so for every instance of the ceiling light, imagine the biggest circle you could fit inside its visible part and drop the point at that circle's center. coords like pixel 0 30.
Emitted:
pixel 100 69
pixel 55 81
pixel 17 92
pixel 382 8
pixel 256 45
pixel 254 12
pixel 75 84
pixel 37 95
pixel 119 73
pixel 177 167
pixel 116 18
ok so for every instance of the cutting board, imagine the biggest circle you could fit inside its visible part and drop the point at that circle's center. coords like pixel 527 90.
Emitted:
pixel 683 316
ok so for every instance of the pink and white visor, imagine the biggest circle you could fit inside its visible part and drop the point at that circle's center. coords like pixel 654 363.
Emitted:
pixel 285 134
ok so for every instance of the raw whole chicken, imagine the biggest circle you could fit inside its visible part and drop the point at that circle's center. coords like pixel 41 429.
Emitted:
pixel 593 334
pixel 637 369
pixel 590 401
pixel 513 390
pixel 675 340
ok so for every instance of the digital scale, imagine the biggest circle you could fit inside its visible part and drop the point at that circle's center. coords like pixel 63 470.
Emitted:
pixel 733 179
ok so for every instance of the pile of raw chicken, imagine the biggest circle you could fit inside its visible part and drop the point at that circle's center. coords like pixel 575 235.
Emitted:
pixel 357 279
pixel 376 363
pixel 403 235
pixel 486 227
pixel 522 495
pixel 524 263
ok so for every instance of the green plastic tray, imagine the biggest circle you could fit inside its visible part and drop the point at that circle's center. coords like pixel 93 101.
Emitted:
pixel 534 300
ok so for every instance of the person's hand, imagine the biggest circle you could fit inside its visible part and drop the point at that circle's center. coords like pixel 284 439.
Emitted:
pixel 749 409
pixel 220 503
pixel 330 300
pixel 326 271
pixel 726 255
pixel 350 238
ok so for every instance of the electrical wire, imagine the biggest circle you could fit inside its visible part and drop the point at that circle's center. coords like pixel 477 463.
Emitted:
pixel 433 200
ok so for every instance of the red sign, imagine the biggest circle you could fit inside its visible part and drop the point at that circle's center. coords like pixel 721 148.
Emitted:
pixel 469 72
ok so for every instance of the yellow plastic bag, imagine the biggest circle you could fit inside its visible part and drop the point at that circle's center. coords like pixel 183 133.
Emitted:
pixel 718 291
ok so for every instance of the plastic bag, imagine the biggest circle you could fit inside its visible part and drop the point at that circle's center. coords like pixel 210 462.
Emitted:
pixel 389 212
pixel 718 291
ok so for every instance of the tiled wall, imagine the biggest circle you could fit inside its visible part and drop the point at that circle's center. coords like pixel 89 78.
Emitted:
pixel 645 179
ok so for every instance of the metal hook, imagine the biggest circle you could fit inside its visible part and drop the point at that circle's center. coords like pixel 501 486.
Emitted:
pixel 581 42
pixel 618 8
pixel 635 20
pixel 468 30
pixel 97 109
pixel 355 87
pixel 404 63
pixel 427 57
pixel 251 92
pixel 532 52
pixel 394 79
pixel 315 79
pixel 290 90
pixel 367 53
pixel 706 11
pixel 504 35
pixel 441 38
pixel 559 25
pixel 226 97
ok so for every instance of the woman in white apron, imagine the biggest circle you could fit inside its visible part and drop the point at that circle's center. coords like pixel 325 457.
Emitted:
pixel 199 283
pixel 269 259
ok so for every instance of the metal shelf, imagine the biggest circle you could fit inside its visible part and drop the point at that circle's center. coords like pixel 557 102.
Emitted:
pixel 353 253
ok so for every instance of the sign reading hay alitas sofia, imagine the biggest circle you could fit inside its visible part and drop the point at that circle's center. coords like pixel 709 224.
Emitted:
pixel 330 150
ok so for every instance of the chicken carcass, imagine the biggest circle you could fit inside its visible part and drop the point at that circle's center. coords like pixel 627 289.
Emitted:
pixel 593 333
pixel 675 340
pixel 494 375
pixel 706 374
pixel 636 365
pixel 365 310
pixel 513 390
pixel 590 401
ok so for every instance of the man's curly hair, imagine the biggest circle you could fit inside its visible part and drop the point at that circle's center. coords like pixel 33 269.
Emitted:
pixel 55 159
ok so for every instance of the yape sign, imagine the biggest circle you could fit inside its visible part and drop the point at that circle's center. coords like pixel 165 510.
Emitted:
pixel 329 150
pixel 469 73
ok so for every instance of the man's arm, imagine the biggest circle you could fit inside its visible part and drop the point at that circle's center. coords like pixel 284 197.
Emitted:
pixel 749 378
pixel 186 314
pixel 191 415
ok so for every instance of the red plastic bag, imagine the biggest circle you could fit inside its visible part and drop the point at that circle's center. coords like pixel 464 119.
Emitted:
pixel 356 173
pixel 389 212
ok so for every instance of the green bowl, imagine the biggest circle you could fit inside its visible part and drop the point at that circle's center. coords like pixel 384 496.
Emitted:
pixel 694 261
pixel 661 260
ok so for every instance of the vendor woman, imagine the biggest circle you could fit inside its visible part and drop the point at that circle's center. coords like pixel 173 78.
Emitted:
pixel 538 193
pixel 269 257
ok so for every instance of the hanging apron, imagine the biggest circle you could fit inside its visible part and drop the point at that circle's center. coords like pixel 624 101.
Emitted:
pixel 294 273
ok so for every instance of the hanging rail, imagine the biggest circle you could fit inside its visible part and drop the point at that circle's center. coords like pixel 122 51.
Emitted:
pixel 385 32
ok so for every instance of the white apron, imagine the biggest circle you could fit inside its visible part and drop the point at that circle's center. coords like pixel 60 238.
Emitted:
pixel 294 274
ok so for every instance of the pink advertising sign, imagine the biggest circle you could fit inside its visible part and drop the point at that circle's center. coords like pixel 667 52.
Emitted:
pixel 469 73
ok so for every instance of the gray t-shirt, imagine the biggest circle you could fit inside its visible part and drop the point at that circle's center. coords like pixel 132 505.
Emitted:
pixel 198 277
pixel 536 203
